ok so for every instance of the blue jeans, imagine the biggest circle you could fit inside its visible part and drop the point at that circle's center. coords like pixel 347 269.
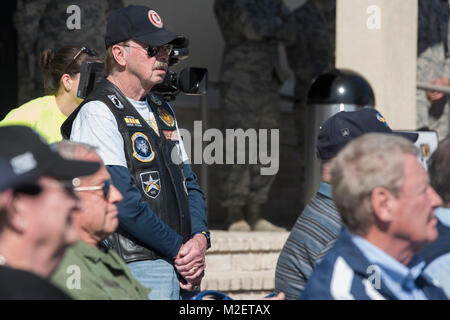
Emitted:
pixel 158 275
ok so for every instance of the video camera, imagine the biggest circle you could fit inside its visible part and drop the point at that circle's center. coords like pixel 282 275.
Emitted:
pixel 191 80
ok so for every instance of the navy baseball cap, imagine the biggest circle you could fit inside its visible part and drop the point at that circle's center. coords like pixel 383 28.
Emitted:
pixel 26 158
pixel 139 23
pixel 345 126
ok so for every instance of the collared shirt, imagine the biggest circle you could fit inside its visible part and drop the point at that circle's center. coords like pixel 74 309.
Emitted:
pixel 325 189
pixel 87 273
pixel 438 253
pixel 443 215
pixel 400 279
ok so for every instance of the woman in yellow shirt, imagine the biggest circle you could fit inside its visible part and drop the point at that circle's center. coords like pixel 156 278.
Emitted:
pixel 61 78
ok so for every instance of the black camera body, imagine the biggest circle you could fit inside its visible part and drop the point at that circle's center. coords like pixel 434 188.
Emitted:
pixel 191 80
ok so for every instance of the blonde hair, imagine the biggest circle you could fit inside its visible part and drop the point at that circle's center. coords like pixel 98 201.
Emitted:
pixel 110 62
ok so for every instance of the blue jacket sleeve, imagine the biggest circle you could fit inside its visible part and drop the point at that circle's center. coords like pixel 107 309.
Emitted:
pixel 136 217
pixel 196 198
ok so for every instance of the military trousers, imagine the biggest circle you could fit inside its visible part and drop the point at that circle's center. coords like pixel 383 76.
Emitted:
pixel 250 107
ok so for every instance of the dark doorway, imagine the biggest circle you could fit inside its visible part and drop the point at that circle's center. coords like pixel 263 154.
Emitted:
pixel 8 58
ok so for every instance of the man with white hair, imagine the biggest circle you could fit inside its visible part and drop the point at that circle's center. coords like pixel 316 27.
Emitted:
pixel 101 273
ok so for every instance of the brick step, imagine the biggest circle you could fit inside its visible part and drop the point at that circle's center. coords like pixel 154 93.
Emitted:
pixel 226 241
pixel 240 261
pixel 242 264
pixel 238 281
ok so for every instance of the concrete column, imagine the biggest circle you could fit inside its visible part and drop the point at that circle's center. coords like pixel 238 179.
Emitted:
pixel 378 38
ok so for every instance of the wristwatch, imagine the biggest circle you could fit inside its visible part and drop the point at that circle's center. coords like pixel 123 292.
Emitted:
pixel 208 239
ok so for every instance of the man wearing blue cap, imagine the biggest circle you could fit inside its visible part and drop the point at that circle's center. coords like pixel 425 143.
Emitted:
pixel 36 206
pixel 162 234
pixel 318 226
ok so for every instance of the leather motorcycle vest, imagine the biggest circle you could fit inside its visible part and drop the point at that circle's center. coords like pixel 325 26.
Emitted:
pixel 153 162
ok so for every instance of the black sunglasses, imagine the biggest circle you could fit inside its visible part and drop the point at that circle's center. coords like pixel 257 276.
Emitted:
pixel 153 50
pixel 83 49
pixel 35 189
pixel 105 187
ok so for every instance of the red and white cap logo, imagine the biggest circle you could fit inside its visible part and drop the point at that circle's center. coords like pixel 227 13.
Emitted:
pixel 155 19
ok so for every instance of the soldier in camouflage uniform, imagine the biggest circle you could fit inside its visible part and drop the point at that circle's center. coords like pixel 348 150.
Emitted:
pixel 251 78
pixel 433 65
pixel 310 53
pixel 43 24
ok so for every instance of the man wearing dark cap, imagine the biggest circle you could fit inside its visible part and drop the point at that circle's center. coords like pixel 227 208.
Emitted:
pixel 36 205
pixel 162 234
pixel 318 226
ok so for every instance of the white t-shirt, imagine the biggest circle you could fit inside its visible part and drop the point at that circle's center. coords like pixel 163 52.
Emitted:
pixel 96 125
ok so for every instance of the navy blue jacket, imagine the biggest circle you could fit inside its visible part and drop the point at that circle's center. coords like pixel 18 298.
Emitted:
pixel 342 274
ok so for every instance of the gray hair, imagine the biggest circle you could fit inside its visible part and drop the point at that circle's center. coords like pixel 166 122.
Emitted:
pixel 370 161
pixel 73 150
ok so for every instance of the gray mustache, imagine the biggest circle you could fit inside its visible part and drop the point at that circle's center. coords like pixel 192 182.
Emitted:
pixel 160 65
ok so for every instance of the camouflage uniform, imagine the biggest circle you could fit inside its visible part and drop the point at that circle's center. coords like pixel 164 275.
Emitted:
pixel 251 78
pixel 433 62
pixel 42 24
pixel 310 53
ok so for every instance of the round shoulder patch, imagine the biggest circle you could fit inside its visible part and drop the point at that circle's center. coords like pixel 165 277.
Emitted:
pixel 166 117
pixel 155 19
pixel 142 149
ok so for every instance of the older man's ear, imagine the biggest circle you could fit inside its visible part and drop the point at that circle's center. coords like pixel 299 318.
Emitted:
pixel 383 203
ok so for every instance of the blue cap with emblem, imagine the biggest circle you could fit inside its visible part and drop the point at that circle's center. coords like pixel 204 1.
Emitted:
pixel 139 23
pixel 345 126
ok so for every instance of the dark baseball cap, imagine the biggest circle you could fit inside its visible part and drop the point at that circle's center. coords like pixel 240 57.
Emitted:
pixel 139 23
pixel 9 179
pixel 345 126
pixel 26 158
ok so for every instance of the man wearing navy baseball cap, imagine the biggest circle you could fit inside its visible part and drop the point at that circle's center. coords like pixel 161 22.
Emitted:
pixel 162 234
pixel 345 126
pixel 141 24
pixel 319 224
pixel 36 205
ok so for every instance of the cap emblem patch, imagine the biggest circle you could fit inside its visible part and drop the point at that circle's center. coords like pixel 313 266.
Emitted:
pixel 345 132
pixel 155 19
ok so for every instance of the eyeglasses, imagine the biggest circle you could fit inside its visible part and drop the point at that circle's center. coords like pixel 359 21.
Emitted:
pixel 153 50
pixel 105 187
pixel 83 49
